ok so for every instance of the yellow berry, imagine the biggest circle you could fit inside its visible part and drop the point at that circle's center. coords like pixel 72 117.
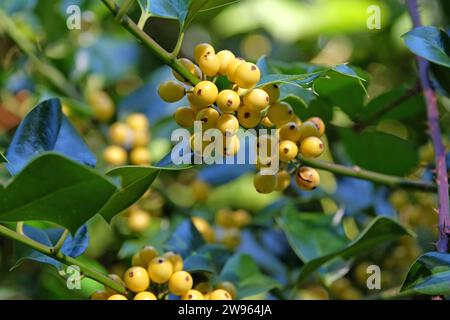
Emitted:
pixel 140 156
pixel 208 117
pixel 308 129
pixel 307 178
pixel 205 93
pixel 241 218
pixel 99 295
pixel 171 91
pixel 264 183
pixel 192 295
pixel 231 238
pixel 228 287
pixel 188 65
pixel 228 101
pixel 203 49
pixel 280 113
pixel 138 121
pixel 224 218
pixel 102 105
pixel 256 99
pixel 220 294
pixel 283 180
pixel 120 133
pixel 180 283
pixel 160 270
pixel 288 150
pixel 145 295
pixel 247 117
pixel 200 189
pixel 247 75
pixel 140 138
pixel 117 297
pixel 203 287
pixel 266 122
pixel 146 254
pixel 138 220
pixel 136 260
pixel 175 259
pixel 227 124
pixel 136 279
pixel 115 155
pixel 185 117
pixel 319 124
pixel 209 64
pixel 232 67
pixel 231 145
pixel 204 228
pixel 290 131
pixel 115 278
pixel 225 57
pixel 311 147
pixel 273 90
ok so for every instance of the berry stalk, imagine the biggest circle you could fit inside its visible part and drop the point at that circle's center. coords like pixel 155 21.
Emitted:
pixel 436 138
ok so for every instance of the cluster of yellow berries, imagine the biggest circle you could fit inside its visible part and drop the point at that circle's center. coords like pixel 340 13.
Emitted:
pixel 129 142
pixel 244 104
pixel 154 277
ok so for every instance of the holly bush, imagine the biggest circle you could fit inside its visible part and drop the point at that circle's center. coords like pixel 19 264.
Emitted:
pixel 122 124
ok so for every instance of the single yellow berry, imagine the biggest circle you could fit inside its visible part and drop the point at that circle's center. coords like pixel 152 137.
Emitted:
pixel 146 254
pixel 185 117
pixel 208 117
pixel 145 295
pixel 138 122
pixel 283 180
pixel 256 99
pixel 228 101
pixel 273 90
pixel 136 279
pixel 288 150
pixel 307 178
pixel 225 57
pixel 99 295
pixel 247 75
pixel 241 218
pixel 120 134
pixel 180 283
pixel 175 259
pixel 204 228
pixel 264 183
pixel 228 287
pixel 209 64
pixel 117 297
pixel 232 67
pixel 136 261
pixel 140 138
pixel 231 238
pixel 290 131
pixel 220 294
pixel 311 147
pixel 205 93
pixel 227 124
pixel 188 65
pixel 138 220
pixel 102 105
pixel 140 156
pixel 308 129
pixel 160 270
pixel 247 117
pixel 192 295
pixel 115 155
pixel 203 49
pixel 319 124
pixel 280 113
pixel 225 218
pixel 171 91
pixel 203 287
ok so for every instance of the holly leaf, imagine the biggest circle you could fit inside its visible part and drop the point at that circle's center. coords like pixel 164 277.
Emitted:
pixel 185 239
pixel 56 189
pixel 2 158
pixel 430 274
pixel 429 43
pixel 208 258
pixel 46 128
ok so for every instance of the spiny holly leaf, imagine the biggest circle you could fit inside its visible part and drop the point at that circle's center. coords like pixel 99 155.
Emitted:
pixel 244 273
pixel 2 158
pixel 379 151
pixel 134 182
pixel 429 43
pixel 312 244
pixel 430 274
pixel 46 128
pixel 72 247
pixel 56 189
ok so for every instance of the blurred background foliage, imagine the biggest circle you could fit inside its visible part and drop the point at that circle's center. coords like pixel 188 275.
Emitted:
pixel 329 32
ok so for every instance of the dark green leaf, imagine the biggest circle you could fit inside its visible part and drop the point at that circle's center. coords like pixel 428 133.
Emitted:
pixel 56 189
pixel 244 273
pixel 208 258
pixel 2 158
pixel 185 239
pixel 430 274
pixel 380 151
pixel 429 43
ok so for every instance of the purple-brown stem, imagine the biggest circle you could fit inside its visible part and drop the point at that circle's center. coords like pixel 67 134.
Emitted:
pixel 435 132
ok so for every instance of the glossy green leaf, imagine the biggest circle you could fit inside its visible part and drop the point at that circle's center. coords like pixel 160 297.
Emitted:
pixel 185 239
pixel 56 189
pixel 244 273
pixel 316 247
pixel 208 258
pixel 430 274
pixel 2 158
pixel 429 43
pixel 379 151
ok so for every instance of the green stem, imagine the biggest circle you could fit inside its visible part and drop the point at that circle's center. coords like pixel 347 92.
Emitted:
pixel 123 11
pixel 154 47
pixel 61 241
pixel 177 48
pixel 143 20
pixel 357 172
pixel 86 270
